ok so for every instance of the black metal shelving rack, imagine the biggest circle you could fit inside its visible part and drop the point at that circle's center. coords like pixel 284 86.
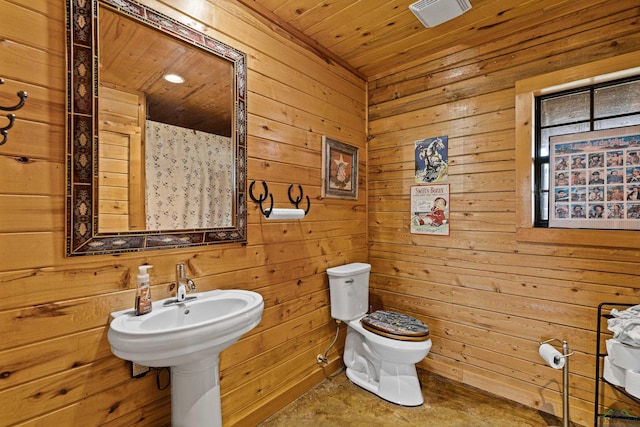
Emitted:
pixel 604 312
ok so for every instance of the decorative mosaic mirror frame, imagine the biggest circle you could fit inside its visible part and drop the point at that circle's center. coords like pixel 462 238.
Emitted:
pixel 82 237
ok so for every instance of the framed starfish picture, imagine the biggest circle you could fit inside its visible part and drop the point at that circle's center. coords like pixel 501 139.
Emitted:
pixel 339 169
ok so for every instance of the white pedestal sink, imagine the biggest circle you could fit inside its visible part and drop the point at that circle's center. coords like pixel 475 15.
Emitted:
pixel 188 337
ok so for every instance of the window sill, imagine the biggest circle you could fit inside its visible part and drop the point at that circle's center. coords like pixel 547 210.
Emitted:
pixel 579 237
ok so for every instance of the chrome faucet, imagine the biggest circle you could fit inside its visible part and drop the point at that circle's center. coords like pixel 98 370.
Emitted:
pixel 183 282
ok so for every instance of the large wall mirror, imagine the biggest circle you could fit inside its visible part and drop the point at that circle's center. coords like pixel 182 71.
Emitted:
pixel 156 150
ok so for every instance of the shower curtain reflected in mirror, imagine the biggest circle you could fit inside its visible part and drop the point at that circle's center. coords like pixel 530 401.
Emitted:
pixel 189 178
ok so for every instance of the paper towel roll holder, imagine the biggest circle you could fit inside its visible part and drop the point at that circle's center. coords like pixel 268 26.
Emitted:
pixel 566 421
pixel 263 197
pixel 298 199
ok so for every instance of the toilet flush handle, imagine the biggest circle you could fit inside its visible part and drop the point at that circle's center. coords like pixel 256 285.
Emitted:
pixel 348 281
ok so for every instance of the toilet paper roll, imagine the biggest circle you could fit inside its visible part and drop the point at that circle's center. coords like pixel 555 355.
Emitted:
pixel 277 213
pixel 623 355
pixel 632 382
pixel 552 356
pixel 614 374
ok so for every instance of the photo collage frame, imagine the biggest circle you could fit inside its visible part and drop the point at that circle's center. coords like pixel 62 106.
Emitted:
pixel 595 179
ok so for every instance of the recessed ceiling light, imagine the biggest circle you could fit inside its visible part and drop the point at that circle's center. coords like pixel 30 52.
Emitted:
pixel 174 78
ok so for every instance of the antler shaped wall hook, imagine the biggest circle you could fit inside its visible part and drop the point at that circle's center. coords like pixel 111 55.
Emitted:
pixel 4 131
pixel 262 198
pixel 299 199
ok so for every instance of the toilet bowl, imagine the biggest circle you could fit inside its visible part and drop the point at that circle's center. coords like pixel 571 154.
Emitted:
pixel 378 359
pixel 384 366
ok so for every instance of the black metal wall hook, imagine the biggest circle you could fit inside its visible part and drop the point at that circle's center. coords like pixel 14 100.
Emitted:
pixel 4 131
pixel 299 199
pixel 262 198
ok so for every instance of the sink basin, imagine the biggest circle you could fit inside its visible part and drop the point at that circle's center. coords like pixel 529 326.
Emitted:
pixel 185 332
pixel 188 337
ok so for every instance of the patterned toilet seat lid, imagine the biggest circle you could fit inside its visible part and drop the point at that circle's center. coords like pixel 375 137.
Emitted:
pixel 396 326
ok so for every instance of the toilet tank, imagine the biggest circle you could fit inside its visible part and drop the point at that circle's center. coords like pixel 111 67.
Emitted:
pixel 349 290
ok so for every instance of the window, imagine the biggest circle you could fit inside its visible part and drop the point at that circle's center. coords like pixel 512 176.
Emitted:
pixel 595 107
pixel 582 76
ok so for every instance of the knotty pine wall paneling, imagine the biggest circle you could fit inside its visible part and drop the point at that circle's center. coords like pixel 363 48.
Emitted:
pixel 55 362
pixel 488 298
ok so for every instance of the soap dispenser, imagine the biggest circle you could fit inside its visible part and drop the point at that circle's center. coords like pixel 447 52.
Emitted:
pixel 143 292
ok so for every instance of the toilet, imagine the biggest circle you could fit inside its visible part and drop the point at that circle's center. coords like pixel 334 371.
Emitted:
pixel 381 348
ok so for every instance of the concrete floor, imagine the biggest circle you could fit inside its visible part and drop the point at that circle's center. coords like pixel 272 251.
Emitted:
pixel 338 402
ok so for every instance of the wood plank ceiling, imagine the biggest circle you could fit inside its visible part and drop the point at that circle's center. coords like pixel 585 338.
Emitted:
pixel 134 58
pixel 374 38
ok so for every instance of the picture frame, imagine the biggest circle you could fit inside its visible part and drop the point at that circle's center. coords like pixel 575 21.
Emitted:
pixel 339 169
pixel 595 180
pixel 432 160
pixel 430 209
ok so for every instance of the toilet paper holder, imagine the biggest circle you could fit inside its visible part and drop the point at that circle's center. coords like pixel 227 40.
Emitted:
pixel 565 346
pixel 565 379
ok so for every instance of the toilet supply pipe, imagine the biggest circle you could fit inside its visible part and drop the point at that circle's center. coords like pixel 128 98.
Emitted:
pixel 325 358
pixel 559 360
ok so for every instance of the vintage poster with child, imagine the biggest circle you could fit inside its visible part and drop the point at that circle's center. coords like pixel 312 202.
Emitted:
pixel 430 209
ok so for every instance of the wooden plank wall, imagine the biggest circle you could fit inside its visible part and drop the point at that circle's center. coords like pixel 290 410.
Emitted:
pixel 120 188
pixel 56 367
pixel 488 298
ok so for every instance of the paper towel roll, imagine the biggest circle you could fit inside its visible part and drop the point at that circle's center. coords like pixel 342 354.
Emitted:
pixel 552 356
pixel 286 214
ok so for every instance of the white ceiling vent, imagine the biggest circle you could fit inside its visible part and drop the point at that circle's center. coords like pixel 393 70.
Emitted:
pixel 435 12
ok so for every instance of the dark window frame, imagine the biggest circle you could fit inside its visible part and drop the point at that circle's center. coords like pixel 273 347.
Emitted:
pixel 540 161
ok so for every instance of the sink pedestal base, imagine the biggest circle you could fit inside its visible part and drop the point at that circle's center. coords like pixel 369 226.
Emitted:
pixel 195 394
